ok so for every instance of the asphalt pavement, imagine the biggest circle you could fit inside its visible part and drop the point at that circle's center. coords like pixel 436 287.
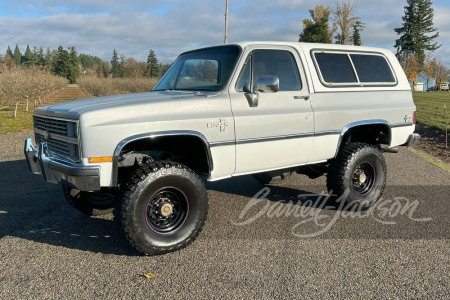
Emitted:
pixel 283 241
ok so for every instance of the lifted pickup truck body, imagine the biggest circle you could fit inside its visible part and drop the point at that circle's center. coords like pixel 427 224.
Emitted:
pixel 231 110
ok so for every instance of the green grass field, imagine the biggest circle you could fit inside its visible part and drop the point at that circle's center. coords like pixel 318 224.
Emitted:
pixel 23 121
pixel 430 108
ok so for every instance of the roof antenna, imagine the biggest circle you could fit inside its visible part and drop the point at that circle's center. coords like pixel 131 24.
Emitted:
pixel 226 22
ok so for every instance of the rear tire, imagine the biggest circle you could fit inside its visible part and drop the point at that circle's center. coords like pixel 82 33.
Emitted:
pixel 164 208
pixel 357 175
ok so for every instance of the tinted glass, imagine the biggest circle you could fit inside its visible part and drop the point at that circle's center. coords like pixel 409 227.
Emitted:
pixel 335 68
pixel 277 63
pixel 244 83
pixel 200 70
pixel 372 68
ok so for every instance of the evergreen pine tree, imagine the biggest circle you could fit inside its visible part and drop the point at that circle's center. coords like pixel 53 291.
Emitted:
pixel 74 61
pixel 27 59
pixel 17 56
pixel 9 52
pixel 36 58
pixel 417 31
pixel 115 65
pixel 41 57
pixel 62 66
pixel 164 68
pixel 89 61
pixel 356 36
pixel 49 60
pixel 153 69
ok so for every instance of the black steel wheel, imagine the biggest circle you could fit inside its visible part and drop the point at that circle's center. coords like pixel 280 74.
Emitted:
pixel 357 175
pixel 364 177
pixel 164 208
pixel 167 210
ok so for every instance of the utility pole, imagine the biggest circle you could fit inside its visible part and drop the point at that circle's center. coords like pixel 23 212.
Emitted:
pixel 226 22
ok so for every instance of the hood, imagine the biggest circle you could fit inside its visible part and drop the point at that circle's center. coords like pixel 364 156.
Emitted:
pixel 73 109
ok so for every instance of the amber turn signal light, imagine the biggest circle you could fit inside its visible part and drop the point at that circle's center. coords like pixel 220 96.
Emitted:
pixel 100 159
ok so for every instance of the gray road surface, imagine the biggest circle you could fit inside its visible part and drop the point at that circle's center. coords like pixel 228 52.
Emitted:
pixel 299 248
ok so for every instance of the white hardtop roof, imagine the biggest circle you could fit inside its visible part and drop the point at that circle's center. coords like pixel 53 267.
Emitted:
pixel 310 46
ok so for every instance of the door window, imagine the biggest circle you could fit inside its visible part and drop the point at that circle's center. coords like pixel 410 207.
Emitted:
pixel 277 63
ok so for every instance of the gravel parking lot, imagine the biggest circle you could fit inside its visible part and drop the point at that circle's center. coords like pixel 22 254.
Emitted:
pixel 294 244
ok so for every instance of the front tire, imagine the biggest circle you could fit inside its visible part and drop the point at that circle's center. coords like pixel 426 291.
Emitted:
pixel 163 209
pixel 357 175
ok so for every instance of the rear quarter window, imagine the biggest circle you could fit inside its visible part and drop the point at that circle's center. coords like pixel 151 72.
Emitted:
pixel 353 69
pixel 372 68
pixel 335 68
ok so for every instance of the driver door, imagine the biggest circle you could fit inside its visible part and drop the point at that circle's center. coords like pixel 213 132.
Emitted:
pixel 278 132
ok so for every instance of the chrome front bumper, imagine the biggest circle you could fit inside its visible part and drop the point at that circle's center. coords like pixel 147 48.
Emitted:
pixel 56 170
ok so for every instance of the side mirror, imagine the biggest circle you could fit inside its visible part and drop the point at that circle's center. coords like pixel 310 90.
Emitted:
pixel 252 98
pixel 265 84
pixel 268 84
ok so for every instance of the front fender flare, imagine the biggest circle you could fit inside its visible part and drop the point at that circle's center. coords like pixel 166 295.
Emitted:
pixel 152 135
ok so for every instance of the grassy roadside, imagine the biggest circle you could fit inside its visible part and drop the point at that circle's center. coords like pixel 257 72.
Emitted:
pixel 430 108
pixel 431 159
pixel 24 120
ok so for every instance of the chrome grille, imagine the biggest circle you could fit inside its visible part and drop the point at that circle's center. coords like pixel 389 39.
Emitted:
pixel 55 126
pixel 60 135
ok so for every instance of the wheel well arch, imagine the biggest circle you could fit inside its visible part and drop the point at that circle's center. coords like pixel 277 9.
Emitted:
pixel 190 148
pixel 373 132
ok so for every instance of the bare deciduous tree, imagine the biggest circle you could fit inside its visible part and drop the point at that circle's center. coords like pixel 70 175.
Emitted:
pixel 344 20
pixel 438 71
pixel 18 85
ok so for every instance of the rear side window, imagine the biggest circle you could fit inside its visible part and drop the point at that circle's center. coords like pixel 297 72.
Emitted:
pixel 335 68
pixel 344 69
pixel 372 68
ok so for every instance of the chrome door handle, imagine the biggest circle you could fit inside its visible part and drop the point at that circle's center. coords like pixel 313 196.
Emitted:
pixel 302 97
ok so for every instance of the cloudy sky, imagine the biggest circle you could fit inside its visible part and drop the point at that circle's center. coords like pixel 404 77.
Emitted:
pixel 169 27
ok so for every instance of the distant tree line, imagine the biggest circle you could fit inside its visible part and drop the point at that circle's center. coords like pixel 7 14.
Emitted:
pixel 69 64
pixel 61 62
pixel 123 67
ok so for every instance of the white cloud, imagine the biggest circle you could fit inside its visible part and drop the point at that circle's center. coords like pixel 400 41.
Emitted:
pixel 442 22
pixel 133 27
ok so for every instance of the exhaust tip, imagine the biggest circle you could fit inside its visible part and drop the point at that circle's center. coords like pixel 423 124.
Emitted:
pixel 391 150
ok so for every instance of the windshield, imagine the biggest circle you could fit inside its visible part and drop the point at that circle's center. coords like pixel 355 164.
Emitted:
pixel 201 70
